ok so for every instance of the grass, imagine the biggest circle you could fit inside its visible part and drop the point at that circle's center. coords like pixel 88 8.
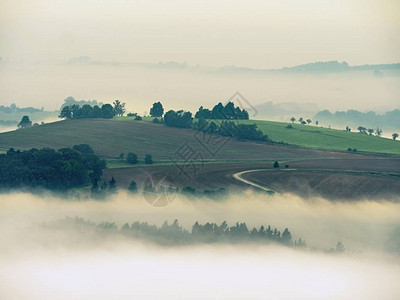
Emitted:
pixel 324 138
pixel 110 137
pixel 310 136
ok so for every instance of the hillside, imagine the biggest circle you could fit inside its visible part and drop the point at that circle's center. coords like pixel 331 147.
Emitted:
pixel 311 136
pixel 111 137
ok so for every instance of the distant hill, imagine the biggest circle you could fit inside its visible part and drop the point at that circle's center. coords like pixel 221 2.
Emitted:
pixel 275 111
pixel 316 67
pixel 354 118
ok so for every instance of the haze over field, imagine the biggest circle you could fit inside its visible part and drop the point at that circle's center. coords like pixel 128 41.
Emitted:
pixel 73 262
pixel 67 189
pixel 40 37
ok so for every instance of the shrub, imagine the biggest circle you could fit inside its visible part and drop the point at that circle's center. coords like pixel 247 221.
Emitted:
pixel 132 158
pixel 276 164
pixel 148 159
pixel 138 118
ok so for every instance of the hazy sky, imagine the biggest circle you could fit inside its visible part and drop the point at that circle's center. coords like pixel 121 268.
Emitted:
pixel 256 33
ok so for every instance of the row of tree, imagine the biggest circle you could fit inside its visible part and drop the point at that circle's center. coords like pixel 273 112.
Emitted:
pixel 302 121
pixel 174 233
pixel 132 158
pixel 49 168
pixel 219 111
pixel 106 111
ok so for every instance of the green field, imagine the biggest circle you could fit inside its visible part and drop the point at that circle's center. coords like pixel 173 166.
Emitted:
pixel 314 137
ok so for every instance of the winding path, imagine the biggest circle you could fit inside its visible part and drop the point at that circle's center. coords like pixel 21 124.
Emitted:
pixel 238 176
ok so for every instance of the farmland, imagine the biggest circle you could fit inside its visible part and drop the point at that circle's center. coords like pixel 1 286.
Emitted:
pixel 212 161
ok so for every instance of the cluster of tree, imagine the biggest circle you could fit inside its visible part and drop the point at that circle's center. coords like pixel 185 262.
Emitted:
pixel 15 109
pixel 370 131
pixel 184 119
pixel 49 168
pixel 230 128
pixel 302 121
pixel 219 111
pixel 106 111
pixel 174 233
pixel 180 118
pixel 132 158
pixel 26 123
pixel 107 188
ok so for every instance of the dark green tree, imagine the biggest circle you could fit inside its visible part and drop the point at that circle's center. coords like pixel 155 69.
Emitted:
pixel 65 113
pixel 132 158
pixel 132 188
pixel 276 164
pixel 148 159
pixel 25 122
pixel 119 108
pixel 157 110
pixel 112 185
pixel 107 111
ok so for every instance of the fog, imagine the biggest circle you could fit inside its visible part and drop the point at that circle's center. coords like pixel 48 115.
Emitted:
pixel 187 88
pixel 39 38
pixel 68 263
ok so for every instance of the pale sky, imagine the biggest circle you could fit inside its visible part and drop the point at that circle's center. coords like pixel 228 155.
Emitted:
pixel 254 33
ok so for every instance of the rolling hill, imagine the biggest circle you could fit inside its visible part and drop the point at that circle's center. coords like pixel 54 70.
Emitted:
pixel 212 160
pixel 109 138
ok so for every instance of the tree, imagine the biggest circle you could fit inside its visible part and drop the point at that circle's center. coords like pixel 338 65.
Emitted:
pixel 25 122
pixel 121 156
pixel 180 118
pixel 395 136
pixel 65 113
pixel 107 111
pixel 378 131
pixel 316 123
pixel 276 164
pixel 348 129
pixel 157 110
pixel 339 247
pixel 301 120
pixel 293 119
pixel 119 108
pixel 148 159
pixel 287 237
pixel 132 158
pixel 362 129
pixel 308 121
pixel 370 131
pixel 132 188
pixel 112 185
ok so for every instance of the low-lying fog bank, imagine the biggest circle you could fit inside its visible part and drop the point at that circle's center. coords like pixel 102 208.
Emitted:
pixel 37 262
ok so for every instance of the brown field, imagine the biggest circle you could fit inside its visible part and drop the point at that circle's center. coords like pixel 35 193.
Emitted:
pixel 330 185
pixel 332 179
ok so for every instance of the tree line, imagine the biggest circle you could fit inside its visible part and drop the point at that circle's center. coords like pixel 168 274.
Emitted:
pixel 227 127
pixel 106 111
pixel 49 168
pixel 174 234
